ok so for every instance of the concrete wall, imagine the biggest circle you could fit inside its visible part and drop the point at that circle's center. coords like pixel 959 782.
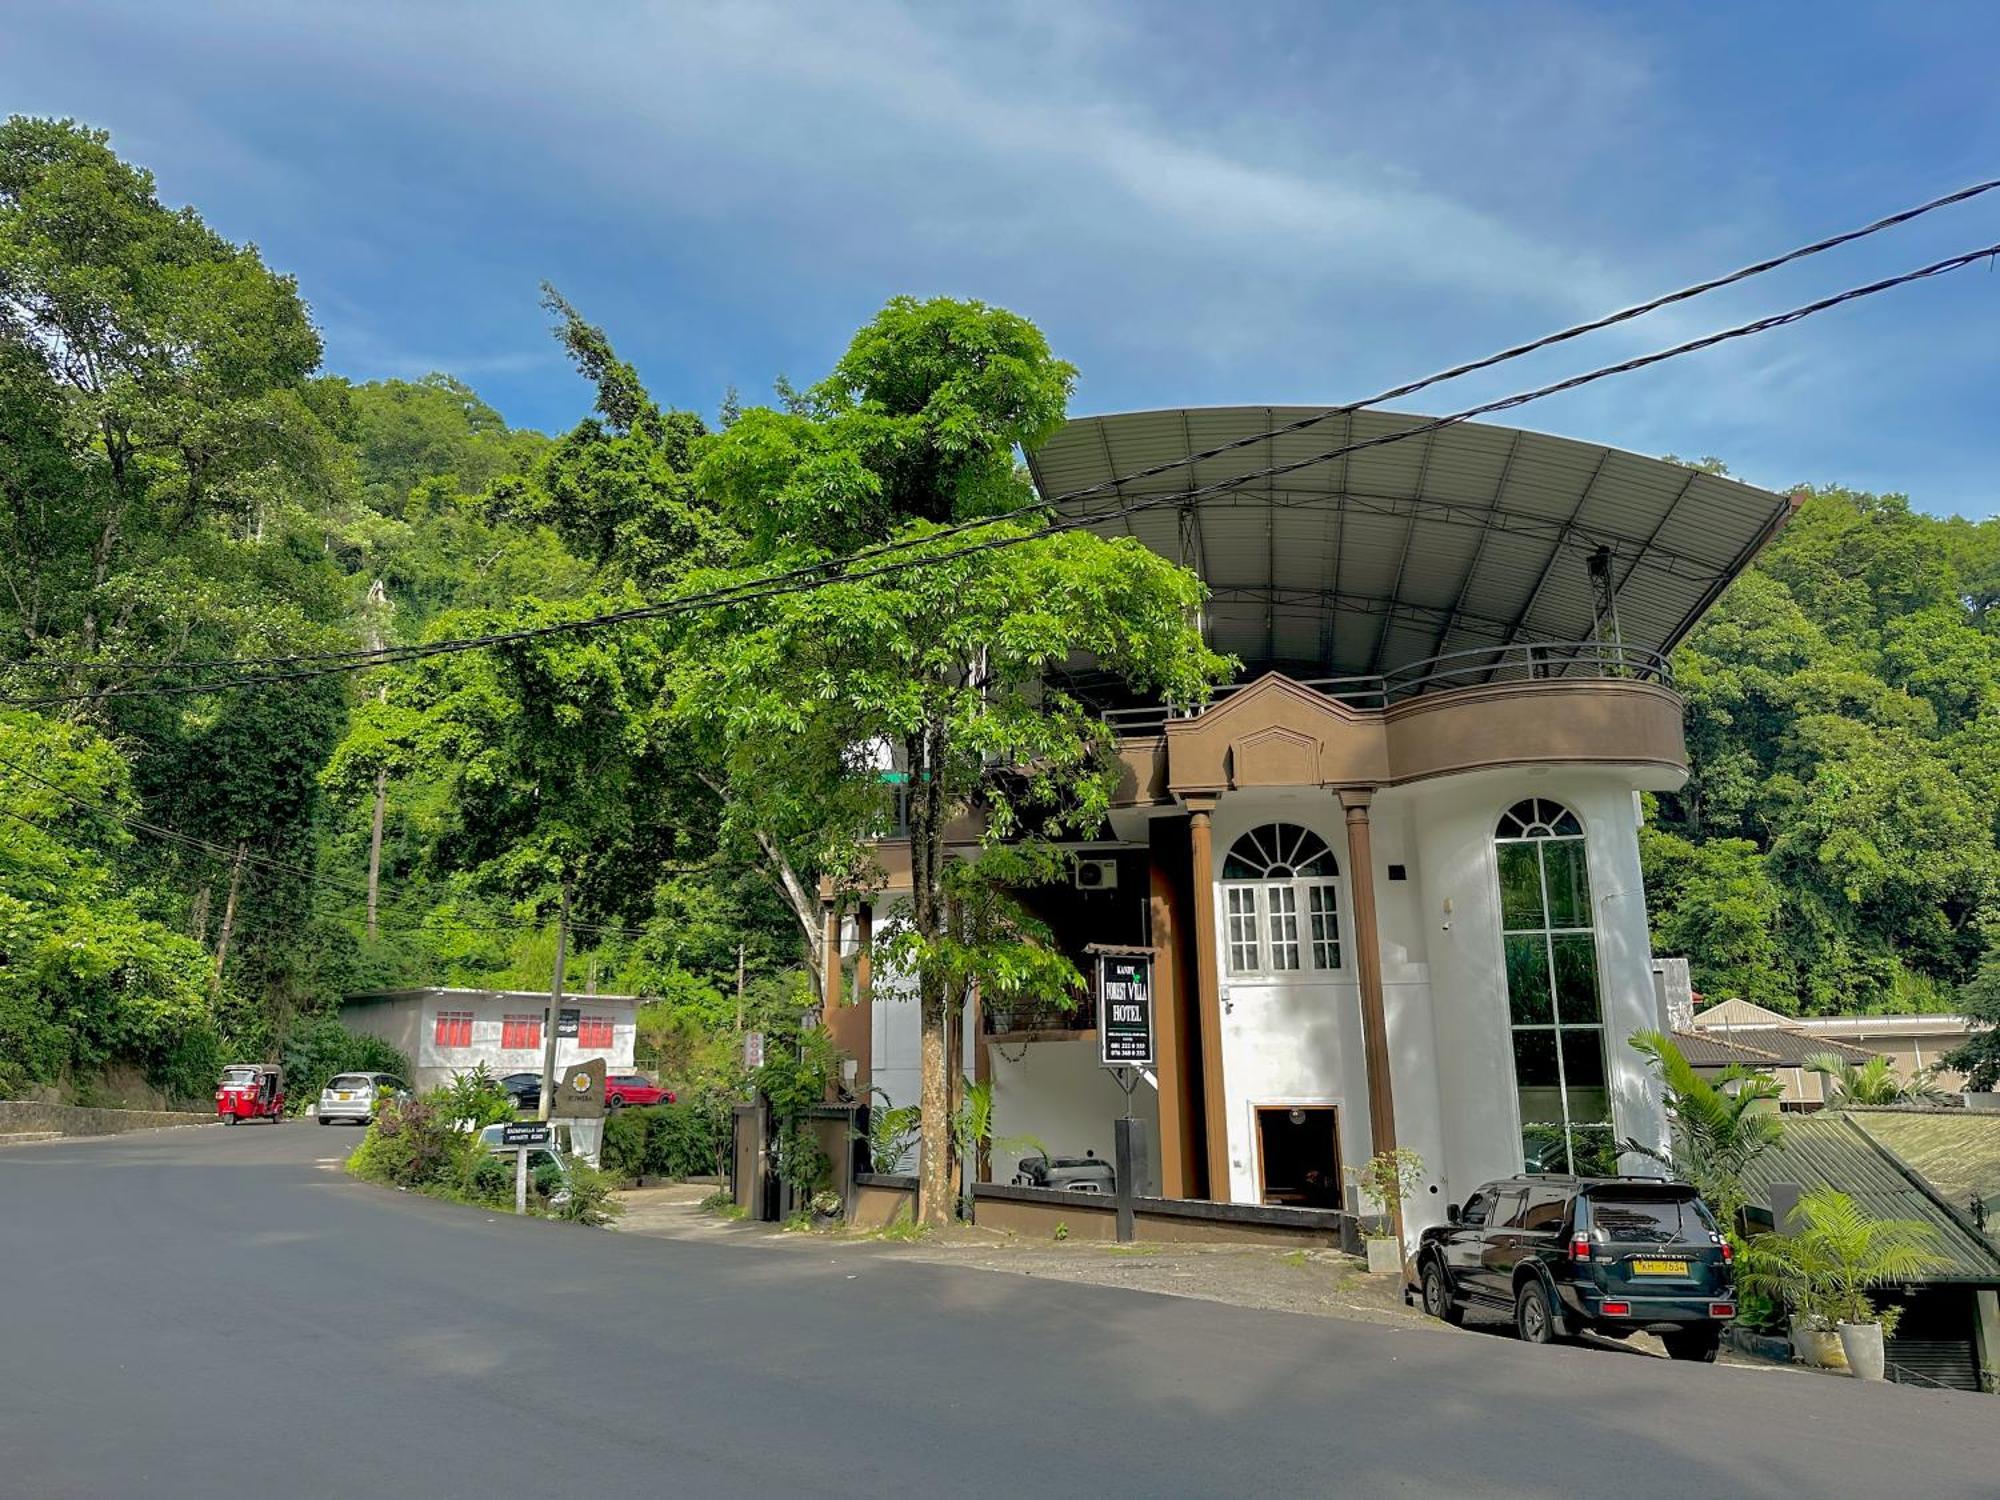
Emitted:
pixel 409 1023
pixel 23 1117
pixel 1036 1213
pixel 1058 1092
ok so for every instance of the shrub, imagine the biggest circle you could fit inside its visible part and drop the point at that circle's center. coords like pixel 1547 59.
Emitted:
pixel 664 1140
pixel 415 1143
pixel 589 1201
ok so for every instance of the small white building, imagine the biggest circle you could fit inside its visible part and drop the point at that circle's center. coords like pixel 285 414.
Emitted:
pixel 445 1032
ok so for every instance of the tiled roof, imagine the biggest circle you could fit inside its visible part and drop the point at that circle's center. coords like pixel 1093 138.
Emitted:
pixel 1706 1050
pixel 1784 1047
pixel 1832 1150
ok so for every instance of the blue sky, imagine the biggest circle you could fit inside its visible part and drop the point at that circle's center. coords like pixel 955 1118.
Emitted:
pixel 1199 204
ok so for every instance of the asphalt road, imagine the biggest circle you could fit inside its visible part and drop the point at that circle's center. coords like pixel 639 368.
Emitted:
pixel 210 1313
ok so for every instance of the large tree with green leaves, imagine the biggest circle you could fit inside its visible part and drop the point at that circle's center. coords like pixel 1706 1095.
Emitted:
pixel 940 667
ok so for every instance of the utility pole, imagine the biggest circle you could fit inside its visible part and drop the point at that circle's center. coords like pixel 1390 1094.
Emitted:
pixel 555 1005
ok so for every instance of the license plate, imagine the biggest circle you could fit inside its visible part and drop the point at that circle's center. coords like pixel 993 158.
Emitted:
pixel 343 1096
pixel 1659 1268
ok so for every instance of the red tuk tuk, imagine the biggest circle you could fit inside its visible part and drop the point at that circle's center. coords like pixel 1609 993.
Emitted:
pixel 250 1091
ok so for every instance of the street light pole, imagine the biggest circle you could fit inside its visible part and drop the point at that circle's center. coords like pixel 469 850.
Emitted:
pixel 555 1006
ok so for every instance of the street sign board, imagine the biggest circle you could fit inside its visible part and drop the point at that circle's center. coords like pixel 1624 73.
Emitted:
pixel 753 1049
pixel 581 1093
pixel 1125 1010
pixel 568 1022
pixel 526 1133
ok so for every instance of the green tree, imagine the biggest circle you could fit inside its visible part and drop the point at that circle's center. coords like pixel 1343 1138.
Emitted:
pixel 1715 1126
pixel 1872 1082
pixel 938 667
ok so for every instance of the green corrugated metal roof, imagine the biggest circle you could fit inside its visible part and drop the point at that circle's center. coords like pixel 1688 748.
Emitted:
pixel 1832 1150
pixel 1956 1150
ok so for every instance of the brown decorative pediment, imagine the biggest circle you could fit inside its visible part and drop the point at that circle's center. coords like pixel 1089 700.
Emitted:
pixel 1275 756
pixel 1276 732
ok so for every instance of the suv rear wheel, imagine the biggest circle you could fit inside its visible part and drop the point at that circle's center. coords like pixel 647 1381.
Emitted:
pixel 1534 1318
pixel 1437 1295
pixel 1699 1344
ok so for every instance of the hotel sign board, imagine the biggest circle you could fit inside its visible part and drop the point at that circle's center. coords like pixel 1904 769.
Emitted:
pixel 1125 1010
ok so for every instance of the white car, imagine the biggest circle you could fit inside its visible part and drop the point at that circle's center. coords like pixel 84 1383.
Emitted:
pixel 352 1096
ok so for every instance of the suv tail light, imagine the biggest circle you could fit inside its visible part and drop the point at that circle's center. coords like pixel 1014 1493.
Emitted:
pixel 1579 1247
pixel 1722 1309
pixel 1617 1309
pixel 1728 1252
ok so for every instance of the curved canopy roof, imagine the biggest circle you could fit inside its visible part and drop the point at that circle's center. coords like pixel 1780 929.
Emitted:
pixel 1470 536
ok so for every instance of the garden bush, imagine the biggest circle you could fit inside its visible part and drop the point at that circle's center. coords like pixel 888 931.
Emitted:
pixel 321 1048
pixel 665 1140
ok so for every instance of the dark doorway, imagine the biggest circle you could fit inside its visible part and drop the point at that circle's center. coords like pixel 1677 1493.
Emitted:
pixel 1298 1155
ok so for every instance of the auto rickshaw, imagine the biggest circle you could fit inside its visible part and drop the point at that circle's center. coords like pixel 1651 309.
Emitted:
pixel 250 1091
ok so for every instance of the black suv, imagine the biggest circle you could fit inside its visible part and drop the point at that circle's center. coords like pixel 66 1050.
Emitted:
pixel 1564 1254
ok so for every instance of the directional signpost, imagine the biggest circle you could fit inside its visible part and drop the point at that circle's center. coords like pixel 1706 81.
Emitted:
pixel 1125 1046
pixel 524 1136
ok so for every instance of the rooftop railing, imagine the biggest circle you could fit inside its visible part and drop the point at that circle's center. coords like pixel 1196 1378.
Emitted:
pixel 1525 661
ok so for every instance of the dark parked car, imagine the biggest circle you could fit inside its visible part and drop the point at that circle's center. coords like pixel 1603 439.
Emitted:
pixel 1566 1254
pixel 525 1089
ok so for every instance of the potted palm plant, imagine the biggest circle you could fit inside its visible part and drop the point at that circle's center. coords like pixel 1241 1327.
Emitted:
pixel 1827 1268
pixel 1388 1179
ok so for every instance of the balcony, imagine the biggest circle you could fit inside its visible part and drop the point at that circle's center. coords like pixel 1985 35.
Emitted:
pixel 1482 666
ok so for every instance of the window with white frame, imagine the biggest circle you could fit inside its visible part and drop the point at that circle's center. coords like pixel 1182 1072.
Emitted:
pixel 1280 902
pixel 1554 1008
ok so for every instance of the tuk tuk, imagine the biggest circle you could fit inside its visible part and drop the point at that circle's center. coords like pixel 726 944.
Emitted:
pixel 250 1091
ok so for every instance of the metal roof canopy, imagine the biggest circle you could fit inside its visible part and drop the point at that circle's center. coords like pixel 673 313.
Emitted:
pixel 1469 536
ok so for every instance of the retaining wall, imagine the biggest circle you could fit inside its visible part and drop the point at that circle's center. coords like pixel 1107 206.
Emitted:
pixel 20 1116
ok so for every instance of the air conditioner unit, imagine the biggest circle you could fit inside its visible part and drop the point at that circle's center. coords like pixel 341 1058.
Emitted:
pixel 1096 875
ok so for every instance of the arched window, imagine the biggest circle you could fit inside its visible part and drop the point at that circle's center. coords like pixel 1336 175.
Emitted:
pixel 1553 1000
pixel 1269 877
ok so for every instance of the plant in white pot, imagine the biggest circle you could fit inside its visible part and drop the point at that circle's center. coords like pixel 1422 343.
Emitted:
pixel 1389 1178
pixel 1826 1269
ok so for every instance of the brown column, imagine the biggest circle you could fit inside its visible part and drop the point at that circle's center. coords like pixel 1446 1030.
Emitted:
pixel 1368 966
pixel 1208 986
pixel 847 1026
pixel 859 1036
pixel 1169 934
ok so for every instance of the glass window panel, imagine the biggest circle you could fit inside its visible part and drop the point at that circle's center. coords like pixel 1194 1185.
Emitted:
pixel 1284 920
pixel 1583 1059
pixel 1520 886
pixel 1242 906
pixel 1528 979
pixel 1535 1066
pixel 1594 1151
pixel 1324 912
pixel 1576 978
pixel 1567 871
pixel 1564 822
pixel 1543 1146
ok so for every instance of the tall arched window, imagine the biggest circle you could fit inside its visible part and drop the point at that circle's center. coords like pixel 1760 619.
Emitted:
pixel 1271 877
pixel 1552 991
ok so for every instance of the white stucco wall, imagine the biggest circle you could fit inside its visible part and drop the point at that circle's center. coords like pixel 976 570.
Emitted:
pixel 1060 1093
pixel 411 1022
pixel 1470 1050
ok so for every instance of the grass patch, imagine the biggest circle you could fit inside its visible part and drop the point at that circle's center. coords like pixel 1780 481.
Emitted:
pixel 902 1232
pixel 1295 1258
pixel 1131 1249
pixel 722 1204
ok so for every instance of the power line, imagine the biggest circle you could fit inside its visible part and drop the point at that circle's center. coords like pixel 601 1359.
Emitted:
pixel 840 570
pixel 391 655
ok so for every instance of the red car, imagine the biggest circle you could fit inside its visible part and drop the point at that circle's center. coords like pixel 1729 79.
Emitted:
pixel 621 1089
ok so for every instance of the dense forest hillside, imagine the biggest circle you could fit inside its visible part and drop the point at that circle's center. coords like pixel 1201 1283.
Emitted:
pixel 196 867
